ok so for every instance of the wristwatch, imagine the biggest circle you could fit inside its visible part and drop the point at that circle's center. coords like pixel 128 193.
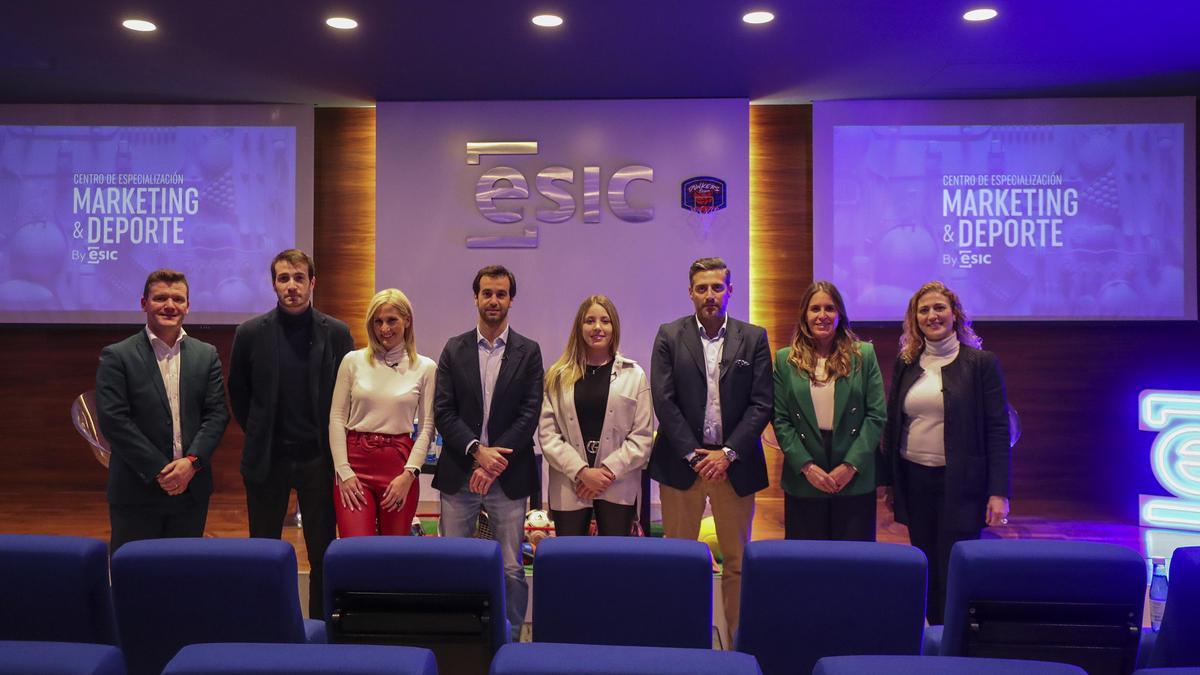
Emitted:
pixel 730 455
pixel 416 470
pixel 696 459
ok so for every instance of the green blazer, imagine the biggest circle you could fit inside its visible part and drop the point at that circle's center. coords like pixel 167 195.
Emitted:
pixel 859 415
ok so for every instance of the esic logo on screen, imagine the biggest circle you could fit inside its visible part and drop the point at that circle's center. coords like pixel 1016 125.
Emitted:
pixel 505 183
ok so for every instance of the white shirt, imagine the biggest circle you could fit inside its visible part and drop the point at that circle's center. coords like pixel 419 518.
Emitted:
pixel 371 397
pixel 822 396
pixel 168 367
pixel 924 442
pixel 491 355
pixel 713 350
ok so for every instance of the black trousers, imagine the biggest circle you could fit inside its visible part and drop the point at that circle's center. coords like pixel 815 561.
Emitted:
pixel 266 507
pixel 833 518
pixel 850 518
pixel 612 520
pixel 133 522
pixel 925 495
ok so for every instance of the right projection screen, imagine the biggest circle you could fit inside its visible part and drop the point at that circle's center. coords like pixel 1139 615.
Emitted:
pixel 1051 209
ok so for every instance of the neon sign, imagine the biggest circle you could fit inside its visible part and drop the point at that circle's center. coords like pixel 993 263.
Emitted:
pixel 1175 460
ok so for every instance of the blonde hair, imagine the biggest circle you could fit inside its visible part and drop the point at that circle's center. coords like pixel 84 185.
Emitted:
pixel 846 355
pixel 397 299
pixel 568 369
pixel 912 340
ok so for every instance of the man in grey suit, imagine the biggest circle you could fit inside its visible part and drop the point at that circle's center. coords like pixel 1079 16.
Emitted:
pixel 161 405
pixel 281 377
pixel 713 393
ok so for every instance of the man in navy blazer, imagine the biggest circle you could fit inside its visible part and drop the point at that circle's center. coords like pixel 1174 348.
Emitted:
pixel 713 393
pixel 486 406
pixel 281 377
pixel 161 405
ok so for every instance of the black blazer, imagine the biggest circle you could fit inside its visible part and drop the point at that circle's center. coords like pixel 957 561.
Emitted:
pixel 978 453
pixel 679 388
pixel 254 383
pixel 512 421
pixel 135 417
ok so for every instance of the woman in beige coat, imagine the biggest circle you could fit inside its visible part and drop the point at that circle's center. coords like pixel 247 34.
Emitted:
pixel 596 426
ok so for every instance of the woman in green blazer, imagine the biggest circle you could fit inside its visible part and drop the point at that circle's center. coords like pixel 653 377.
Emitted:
pixel 829 415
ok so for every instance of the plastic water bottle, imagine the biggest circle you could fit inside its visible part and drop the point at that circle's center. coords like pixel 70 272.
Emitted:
pixel 1158 593
pixel 435 449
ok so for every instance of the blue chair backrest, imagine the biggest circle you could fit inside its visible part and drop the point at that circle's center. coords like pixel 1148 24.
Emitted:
pixel 545 658
pixel 1178 641
pixel 623 591
pixel 272 659
pixel 802 600
pixel 38 657
pixel 55 588
pixel 1000 570
pixel 418 565
pixel 173 592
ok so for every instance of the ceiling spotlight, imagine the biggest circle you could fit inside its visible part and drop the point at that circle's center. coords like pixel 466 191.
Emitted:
pixel 341 23
pixel 547 20
pixel 758 17
pixel 981 14
pixel 140 25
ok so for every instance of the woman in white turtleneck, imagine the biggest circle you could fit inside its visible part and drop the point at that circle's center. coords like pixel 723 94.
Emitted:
pixel 946 444
pixel 379 393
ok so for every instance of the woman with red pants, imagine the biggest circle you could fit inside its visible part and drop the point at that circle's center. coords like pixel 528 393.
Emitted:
pixel 379 393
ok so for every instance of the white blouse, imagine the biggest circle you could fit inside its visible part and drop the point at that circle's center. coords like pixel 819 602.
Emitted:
pixel 372 397
pixel 925 407
pixel 822 396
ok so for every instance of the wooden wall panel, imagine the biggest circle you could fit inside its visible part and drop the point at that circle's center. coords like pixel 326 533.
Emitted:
pixel 45 367
pixel 780 230
pixel 344 234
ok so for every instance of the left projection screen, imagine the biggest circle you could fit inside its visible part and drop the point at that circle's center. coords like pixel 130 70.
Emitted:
pixel 94 198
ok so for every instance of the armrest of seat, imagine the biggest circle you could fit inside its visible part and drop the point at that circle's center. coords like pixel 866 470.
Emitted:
pixel 931 643
pixel 314 632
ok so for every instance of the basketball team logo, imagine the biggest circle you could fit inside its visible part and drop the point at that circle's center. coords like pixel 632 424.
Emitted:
pixel 702 197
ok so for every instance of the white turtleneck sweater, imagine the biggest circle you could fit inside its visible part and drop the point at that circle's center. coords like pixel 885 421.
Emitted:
pixel 372 397
pixel 924 406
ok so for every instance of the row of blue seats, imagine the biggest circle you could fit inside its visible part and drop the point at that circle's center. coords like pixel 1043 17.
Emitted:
pixel 801 600
pixel 61 658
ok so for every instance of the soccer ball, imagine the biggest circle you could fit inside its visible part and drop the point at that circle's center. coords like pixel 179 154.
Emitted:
pixel 538 526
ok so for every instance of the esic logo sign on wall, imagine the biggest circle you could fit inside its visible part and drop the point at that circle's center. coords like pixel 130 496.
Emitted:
pixel 507 183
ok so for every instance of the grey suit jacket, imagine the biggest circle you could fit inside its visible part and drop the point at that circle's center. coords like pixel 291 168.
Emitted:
pixel 135 417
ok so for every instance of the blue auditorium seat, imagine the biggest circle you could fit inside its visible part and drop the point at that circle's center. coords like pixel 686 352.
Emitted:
pixel 938 665
pixel 277 659
pixel 446 594
pixel 802 600
pixel 547 658
pixel 1043 582
pixel 169 593
pixel 18 657
pixel 1195 670
pixel 55 588
pixel 623 591
pixel 1178 640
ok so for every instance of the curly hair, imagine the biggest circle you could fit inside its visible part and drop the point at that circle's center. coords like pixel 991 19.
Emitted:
pixel 912 340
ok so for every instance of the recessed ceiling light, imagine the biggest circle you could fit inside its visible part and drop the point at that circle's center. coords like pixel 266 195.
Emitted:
pixel 981 14
pixel 547 20
pixel 140 25
pixel 341 23
pixel 758 17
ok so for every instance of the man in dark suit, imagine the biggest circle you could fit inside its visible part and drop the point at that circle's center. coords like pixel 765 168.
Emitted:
pixel 713 394
pixel 161 405
pixel 281 377
pixel 489 395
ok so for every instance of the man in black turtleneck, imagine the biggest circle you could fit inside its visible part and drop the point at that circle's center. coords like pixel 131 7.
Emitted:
pixel 281 377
